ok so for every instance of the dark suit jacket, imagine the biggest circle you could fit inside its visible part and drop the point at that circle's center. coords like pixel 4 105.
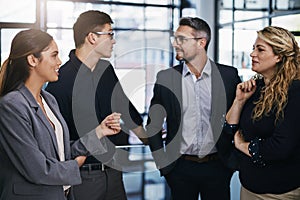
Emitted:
pixel 29 163
pixel 166 104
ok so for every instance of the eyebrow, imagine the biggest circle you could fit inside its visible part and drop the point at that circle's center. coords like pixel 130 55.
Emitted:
pixel 54 52
pixel 259 45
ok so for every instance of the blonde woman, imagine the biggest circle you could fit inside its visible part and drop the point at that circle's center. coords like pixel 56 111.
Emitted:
pixel 265 114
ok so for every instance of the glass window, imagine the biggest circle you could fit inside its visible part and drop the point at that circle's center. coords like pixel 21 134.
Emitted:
pixel 7 36
pixel 135 90
pixel 225 46
pixel 253 24
pixel 64 40
pixel 257 4
pixel 60 14
pixel 226 4
pixel 18 11
pixel 225 16
pixel 147 51
pixel 243 44
pixel 282 4
pixel 65 13
pixel 290 22
pixel 244 15
pixel 122 19
pixel 157 2
pixel 162 2
pixel 128 50
pixel 157 18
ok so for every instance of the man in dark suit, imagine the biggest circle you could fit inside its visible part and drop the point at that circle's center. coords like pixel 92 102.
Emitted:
pixel 87 91
pixel 192 98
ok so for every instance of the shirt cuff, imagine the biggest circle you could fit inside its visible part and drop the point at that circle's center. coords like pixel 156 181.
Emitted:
pixel 256 157
pixel 230 129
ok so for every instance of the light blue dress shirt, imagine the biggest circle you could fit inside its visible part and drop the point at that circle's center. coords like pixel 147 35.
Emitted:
pixel 196 101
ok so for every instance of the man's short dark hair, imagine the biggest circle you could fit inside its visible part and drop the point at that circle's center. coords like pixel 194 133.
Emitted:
pixel 197 24
pixel 87 22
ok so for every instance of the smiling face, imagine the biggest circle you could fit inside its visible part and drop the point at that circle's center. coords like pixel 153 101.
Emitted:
pixel 47 65
pixel 263 58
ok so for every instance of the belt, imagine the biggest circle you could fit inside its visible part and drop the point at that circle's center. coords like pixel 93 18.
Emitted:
pixel 94 167
pixel 195 158
pixel 67 191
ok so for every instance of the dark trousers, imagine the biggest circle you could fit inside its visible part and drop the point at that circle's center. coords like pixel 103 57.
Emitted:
pixel 100 185
pixel 189 179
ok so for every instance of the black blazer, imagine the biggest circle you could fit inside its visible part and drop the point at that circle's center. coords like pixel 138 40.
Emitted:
pixel 166 105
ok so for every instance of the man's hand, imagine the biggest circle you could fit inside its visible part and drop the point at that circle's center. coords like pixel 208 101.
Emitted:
pixel 141 134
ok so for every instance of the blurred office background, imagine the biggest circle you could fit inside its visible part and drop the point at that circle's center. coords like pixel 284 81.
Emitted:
pixel 143 48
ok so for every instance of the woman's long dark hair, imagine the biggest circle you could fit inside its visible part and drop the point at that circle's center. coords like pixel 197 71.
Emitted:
pixel 15 69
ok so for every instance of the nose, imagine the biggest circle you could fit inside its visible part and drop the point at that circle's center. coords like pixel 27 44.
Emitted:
pixel 59 61
pixel 252 54
pixel 174 43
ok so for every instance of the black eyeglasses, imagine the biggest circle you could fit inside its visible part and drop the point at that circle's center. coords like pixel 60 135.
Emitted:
pixel 111 34
pixel 180 39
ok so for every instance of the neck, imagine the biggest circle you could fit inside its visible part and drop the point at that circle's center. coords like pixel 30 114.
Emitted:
pixel 88 57
pixel 197 65
pixel 267 77
pixel 34 88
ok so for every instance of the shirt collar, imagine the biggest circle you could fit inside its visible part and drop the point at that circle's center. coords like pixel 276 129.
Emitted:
pixel 206 70
pixel 75 60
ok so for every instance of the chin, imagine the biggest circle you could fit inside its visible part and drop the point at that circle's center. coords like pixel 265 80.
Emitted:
pixel 179 57
pixel 54 79
pixel 254 69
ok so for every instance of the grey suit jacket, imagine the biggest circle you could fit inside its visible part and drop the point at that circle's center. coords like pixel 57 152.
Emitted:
pixel 29 163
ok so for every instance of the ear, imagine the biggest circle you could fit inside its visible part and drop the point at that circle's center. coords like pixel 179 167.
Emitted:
pixel 278 58
pixel 202 42
pixel 91 38
pixel 32 60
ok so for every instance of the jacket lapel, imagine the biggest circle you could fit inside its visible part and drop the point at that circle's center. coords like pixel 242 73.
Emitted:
pixel 52 105
pixel 39 113
pixel 177 89
pixel 218 104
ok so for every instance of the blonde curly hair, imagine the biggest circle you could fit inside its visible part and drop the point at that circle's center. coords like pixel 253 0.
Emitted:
pixel 274 95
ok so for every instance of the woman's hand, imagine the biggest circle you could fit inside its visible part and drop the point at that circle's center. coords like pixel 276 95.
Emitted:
pixel 243 93
pixel 240 143
pixel 109 126
pixel 245 90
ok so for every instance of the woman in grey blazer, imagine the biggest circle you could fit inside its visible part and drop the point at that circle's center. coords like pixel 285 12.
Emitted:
pixel 35 152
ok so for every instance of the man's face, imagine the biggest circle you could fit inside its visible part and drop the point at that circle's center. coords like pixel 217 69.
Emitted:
pixel 186 43
pixel 105 41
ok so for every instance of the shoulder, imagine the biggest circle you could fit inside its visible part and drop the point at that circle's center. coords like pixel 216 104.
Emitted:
pixel 226 68
pixel 14 101
pixel 228 73
pixel 47 95
pixel 171 71
pixel 104 62
pixel 295 87
pixel 12 97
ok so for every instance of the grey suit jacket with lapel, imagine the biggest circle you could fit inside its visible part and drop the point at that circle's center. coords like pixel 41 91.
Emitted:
pixel 166 105
pixel 29 163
